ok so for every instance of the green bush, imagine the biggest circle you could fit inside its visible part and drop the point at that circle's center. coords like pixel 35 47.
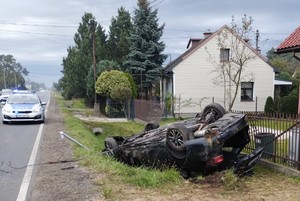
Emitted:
pixel 133 85
pixel 289 104
pixel 285 104
pixel 120 93
pixel 109 80
pixel 168 100
pixel 269 106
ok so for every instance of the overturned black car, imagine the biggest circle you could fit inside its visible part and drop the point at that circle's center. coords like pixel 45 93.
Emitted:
pixel 210 142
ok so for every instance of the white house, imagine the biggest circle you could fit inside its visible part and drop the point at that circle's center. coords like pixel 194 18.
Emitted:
pixel 195 78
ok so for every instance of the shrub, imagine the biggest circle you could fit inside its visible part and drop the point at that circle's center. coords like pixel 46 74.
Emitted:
pixel 109 80
pixel 289 104
pixel 133 85
pixel 269 106
pixel 120 93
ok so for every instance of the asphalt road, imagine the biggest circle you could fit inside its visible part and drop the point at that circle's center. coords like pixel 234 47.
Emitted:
pixel 16 146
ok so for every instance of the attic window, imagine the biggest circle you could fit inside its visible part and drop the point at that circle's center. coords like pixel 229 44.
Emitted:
pixel 224 54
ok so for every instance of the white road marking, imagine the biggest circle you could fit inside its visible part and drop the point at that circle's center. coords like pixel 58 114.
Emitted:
pixel 27 177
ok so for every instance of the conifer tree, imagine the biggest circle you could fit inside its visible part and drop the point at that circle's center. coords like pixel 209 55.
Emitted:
pixel 79 60
pixel 145 59
pixel 119 31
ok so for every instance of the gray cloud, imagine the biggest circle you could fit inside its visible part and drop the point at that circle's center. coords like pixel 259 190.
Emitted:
pixel 41 48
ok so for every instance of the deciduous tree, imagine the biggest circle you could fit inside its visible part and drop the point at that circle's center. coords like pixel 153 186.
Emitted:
pixel 230 72
pixel 12 73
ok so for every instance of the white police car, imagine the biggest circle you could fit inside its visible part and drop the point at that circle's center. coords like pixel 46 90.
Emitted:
pixel 23 107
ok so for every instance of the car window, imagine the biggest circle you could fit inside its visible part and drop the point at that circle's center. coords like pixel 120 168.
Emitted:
pixel 23 99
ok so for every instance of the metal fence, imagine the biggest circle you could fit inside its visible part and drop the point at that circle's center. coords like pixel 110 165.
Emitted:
pixel 148 110
pixel 279 134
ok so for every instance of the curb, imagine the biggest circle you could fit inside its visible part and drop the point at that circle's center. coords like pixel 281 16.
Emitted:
pixel 280 168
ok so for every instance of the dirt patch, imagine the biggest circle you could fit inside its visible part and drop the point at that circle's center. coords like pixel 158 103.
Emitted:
pixel 214 180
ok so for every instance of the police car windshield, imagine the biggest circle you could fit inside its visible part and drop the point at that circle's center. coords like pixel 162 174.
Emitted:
pixel 23 99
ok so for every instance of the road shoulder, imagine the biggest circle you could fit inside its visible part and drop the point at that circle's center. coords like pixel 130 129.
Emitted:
pixel 57 176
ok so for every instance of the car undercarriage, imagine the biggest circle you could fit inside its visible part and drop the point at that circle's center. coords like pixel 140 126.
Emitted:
pixel 212 141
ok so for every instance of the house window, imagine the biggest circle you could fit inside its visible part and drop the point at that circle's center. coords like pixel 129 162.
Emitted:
pixel 247 91
pixel 224 54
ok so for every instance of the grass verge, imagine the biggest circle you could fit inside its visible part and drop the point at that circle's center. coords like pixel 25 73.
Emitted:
pixel 113 178
pixel 114 171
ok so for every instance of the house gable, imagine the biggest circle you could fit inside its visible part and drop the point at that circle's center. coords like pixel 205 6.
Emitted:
pixel 201 43
pixel 194 76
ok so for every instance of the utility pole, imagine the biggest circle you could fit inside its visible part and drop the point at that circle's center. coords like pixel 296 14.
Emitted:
pixel 15 80
pixel 92 25
pixel 4 77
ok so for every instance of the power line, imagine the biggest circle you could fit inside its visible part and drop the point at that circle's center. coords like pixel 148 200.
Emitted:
pixel 157 3
pixel 27 32
pixel 39 25
pixel 275 33
pixel 64 35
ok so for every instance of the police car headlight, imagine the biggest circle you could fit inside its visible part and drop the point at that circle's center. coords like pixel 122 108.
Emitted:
pixel 7 109
pixel 37 109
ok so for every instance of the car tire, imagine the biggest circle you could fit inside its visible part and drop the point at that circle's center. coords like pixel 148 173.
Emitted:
pixel 176 135
pixel 4 122
pixel 151 125
pixel 110 143
pixel 213 112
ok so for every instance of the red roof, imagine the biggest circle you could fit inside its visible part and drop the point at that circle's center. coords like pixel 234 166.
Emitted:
pixel 292 41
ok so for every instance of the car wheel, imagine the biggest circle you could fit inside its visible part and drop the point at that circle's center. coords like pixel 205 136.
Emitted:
pixel 213 112
pixel 110 143
pixel 177 134
pixel 151 125
pixel 4 122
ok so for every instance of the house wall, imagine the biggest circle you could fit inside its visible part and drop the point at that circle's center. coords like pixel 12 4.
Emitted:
pixel 194 82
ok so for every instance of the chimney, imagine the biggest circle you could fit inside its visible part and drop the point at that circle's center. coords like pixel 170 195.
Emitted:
pixel 193 42
pixel 207 34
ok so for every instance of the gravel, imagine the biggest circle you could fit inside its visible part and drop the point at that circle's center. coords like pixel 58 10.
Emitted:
pixel 57 175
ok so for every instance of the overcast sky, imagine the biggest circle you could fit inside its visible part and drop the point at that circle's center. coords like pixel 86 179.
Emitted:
pixel 38 32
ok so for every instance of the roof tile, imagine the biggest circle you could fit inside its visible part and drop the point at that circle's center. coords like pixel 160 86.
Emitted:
pixel 292 40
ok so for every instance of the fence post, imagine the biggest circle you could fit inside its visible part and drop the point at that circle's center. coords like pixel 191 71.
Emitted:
pixel 256 104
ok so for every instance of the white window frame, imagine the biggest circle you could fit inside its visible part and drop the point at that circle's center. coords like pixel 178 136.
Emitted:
pixel 224 54
pixel 247 92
